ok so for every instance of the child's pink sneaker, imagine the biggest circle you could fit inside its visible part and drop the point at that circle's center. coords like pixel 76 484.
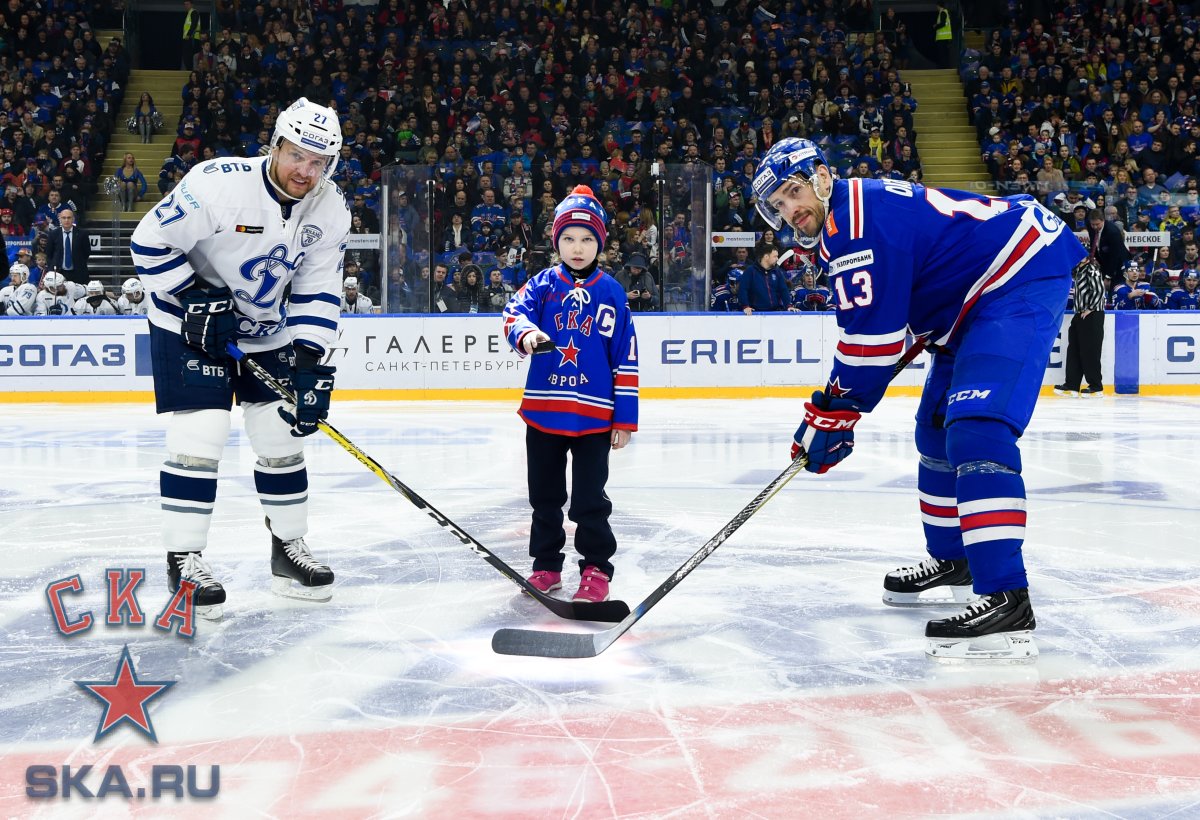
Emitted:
pixel 545 581
pixel 593 586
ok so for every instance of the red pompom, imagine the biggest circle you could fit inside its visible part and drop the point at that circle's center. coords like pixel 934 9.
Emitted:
pixel 583 189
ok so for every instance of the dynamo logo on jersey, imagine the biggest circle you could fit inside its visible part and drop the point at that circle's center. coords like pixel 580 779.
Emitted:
pixel 268 271
pixel 310 235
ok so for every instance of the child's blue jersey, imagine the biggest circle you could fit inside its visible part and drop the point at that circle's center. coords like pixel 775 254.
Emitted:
pixel 903 258
pixel 1180 299
pixel 590 384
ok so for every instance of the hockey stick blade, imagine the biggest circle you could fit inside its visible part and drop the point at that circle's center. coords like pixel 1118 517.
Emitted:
pixel 605 611
pixel 545 644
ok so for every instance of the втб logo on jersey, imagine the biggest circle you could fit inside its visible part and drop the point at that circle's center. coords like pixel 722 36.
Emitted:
pixel 268 271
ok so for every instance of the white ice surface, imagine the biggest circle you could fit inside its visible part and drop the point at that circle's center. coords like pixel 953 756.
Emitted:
pixel 771 683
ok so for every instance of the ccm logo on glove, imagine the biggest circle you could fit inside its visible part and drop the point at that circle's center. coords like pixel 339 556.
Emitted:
pixel 827 434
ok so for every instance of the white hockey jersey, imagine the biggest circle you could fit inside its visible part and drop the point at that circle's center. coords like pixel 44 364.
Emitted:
pixel 106 307
pixel 128 308
pixel 224 226
pixel 361 305
pixel 48 305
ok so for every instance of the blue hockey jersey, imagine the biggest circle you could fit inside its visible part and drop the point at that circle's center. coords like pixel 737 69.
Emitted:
pixel 590 384
pixel 1180 299
pixel 1123 298
pixel 903 258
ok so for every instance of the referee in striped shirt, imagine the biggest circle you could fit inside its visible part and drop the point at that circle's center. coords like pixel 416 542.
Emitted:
pixel 1085 337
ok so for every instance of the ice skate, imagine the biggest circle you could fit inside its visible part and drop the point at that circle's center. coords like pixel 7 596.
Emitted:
pixel 995 629
pixel 545 581
pixel 1063 390
pixel 297 573
pixel 1091 392
pixel 593 586
pixel 929 583
pixel 209 596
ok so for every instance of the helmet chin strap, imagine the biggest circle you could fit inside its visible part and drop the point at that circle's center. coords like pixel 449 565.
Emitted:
pixel 271 176
pixel 810 242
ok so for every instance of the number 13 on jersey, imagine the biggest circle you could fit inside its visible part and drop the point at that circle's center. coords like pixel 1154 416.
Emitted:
pixel 860 281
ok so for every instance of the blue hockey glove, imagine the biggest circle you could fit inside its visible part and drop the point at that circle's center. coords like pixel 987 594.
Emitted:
pixel 827 434
pixel 313 384
pixel 209 322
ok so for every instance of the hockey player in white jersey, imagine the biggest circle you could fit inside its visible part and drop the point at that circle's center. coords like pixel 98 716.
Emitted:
pixel 23 302
pixel 133 301
pixel 217 256
pixel 352 300
pixel 96 302
pixel 18 275
pixel 58 296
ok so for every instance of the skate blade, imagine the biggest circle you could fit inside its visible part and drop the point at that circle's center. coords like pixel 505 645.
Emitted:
pixel 1001 648
pixel 213 612
pixel 932 597
pixel 1073 393
pixel 287 588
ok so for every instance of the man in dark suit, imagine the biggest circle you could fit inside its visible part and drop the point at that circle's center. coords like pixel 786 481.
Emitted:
pixel 1106 245
pixel 69 248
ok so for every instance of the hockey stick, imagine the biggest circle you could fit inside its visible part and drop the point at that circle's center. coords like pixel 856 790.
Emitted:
pixel 576 645
pixel 606 611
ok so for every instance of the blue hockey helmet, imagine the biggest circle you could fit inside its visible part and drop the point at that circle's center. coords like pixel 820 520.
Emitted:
pixel 1131 266
pixel 793 159
pixel 1191 273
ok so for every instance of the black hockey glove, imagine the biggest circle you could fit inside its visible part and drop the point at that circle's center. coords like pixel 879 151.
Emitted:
pixel 209 322
pixel 313 383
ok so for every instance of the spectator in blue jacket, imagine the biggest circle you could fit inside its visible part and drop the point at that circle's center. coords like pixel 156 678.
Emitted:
pixel 763 287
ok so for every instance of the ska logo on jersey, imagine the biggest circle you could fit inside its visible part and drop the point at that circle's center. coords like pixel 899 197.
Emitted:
pixel 309 235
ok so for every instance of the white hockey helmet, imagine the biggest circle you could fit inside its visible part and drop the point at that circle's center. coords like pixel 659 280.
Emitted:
pixel 132 287
pixel 23 300
pixel 312 127
pixel 94 288
pixel 351 283
pixel 52 281
pixel 18 269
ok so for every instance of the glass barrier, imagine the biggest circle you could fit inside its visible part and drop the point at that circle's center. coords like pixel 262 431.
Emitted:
pixel 664 216
pixel 407 216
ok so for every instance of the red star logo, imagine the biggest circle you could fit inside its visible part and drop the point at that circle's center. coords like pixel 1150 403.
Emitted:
pixel 125 698
pixel 570 353
pixel 835 390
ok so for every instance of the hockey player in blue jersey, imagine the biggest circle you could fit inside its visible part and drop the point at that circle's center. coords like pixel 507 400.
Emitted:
pixel 808 296
pixel 1187 296
pixel 726 298
pixel 984 282
pixel 1134 293
pixel 580 399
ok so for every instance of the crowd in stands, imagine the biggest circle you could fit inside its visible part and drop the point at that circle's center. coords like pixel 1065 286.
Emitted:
pixel 1094 111
pixel 483 115
pixel 60 90
pixel 504 107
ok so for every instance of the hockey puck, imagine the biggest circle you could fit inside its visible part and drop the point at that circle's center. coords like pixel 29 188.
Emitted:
pixel 544 347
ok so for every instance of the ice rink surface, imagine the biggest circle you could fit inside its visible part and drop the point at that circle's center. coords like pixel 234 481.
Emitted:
pixel 771 683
